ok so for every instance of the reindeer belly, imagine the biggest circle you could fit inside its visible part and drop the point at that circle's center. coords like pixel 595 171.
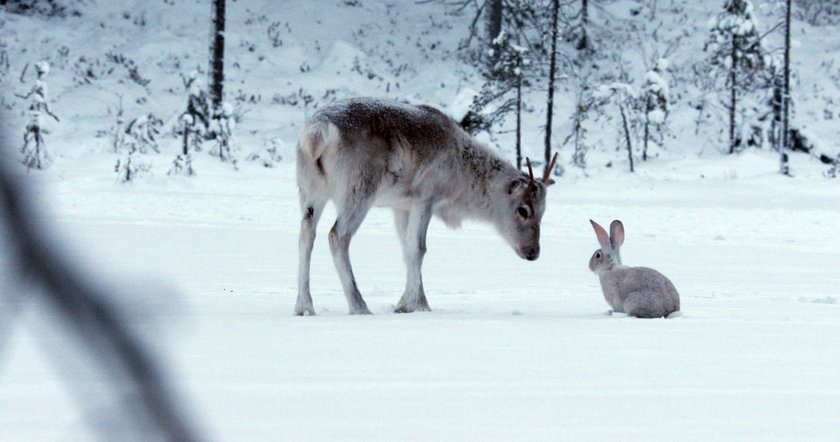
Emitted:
pixel 393 196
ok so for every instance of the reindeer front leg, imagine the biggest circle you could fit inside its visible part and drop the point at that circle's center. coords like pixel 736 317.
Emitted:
pixel 411 227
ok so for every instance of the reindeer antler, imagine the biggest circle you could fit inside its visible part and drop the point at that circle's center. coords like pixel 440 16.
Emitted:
pixel 548 170
pixel 530 171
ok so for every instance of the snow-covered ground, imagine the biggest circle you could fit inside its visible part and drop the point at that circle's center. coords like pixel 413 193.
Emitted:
pixel 512 349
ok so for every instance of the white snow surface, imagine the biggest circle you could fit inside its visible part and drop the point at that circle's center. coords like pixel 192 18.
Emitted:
pixel 513 350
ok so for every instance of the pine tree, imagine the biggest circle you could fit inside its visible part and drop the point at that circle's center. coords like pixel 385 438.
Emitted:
pixel 735 49
pixel 492 105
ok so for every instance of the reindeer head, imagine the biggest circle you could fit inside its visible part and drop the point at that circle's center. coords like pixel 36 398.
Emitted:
pixel 521 211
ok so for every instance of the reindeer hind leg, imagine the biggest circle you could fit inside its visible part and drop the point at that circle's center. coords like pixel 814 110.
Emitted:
pixel 312 210
pixel 350 217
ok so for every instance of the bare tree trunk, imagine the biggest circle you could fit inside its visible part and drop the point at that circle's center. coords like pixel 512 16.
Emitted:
pixel 784 167
pixel 494 19
pixel 733 100
pixel 627 136
pixel 647 132
pixel 583 44
pixel 217 55
pixel 186 139
pixel 552 69
pixel 519 122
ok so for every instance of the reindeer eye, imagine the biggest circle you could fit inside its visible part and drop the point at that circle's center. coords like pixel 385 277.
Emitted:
pixel 524 211
pixel 597 255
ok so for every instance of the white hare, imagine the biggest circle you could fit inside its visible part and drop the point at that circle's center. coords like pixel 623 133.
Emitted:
pixel 636 291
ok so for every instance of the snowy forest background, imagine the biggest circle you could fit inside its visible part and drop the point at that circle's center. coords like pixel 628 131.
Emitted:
pixel 167 177
pixel 654 76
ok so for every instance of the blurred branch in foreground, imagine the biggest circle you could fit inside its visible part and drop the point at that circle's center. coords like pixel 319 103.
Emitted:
pixel 136 401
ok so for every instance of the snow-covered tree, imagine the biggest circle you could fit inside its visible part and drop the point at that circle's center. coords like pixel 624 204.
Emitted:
pixel 585 102
pixel 118 129
pixel 492 105
pixel 182 165
pixel 194 129
pixel 130 167
pixel 138 137
pixel 624 97
pixel 35 153
pixel 653 99
pixel 735 49
pixel 772 119
pixel 223 126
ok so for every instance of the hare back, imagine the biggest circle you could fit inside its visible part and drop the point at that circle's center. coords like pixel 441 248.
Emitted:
pixel 640 291
pixel 650 305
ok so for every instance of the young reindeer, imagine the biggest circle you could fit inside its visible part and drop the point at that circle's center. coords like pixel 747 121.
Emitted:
pixel 414 159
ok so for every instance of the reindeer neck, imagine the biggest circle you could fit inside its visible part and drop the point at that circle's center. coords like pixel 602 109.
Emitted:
pixel 487 176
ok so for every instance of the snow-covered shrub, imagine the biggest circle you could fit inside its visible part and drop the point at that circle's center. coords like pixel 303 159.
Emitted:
pixel 182 165
pixel 130 66
pixel 818 12
pixel 274 33
pixel 86 70
pixel 35 154
pixel 140 134
pixel 130 167
pixel 269 155
pixel 50 8
pixel 834 170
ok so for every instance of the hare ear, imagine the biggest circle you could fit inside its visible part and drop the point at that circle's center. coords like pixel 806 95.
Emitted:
pixel 603 238
pixel 616 234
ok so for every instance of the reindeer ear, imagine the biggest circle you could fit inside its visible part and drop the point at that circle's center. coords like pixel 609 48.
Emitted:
pixel 549 182
pixel 603 237
pixel 616 234
pixel 516 185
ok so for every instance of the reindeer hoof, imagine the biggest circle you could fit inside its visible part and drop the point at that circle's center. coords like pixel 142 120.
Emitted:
pixel 411 309
pixel 361 311
pixel 308 311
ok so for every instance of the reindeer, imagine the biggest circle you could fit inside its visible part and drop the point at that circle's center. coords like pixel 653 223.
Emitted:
pixel 416 160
